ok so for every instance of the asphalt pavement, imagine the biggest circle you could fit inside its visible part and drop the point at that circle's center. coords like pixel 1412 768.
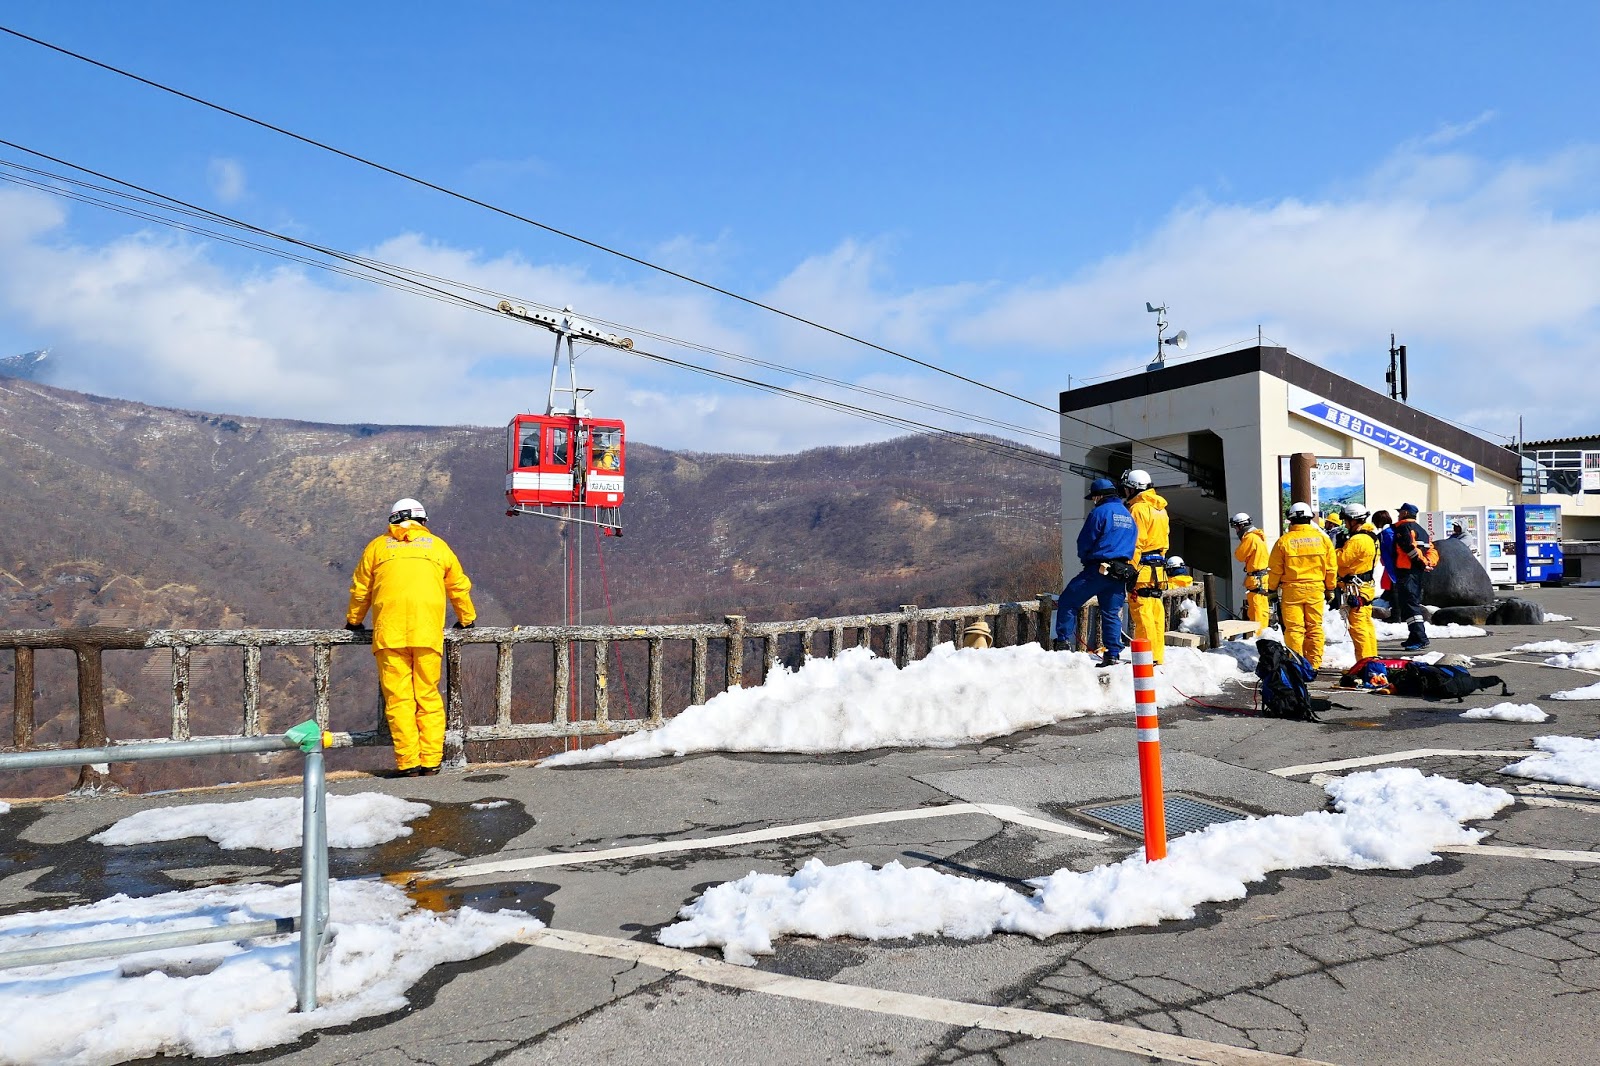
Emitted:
pixel 1480 957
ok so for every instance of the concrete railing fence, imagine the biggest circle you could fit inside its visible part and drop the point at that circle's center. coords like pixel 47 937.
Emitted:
pixel 904 635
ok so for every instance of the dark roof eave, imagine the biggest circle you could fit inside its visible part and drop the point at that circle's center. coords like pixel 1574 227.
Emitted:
pixel 1280 363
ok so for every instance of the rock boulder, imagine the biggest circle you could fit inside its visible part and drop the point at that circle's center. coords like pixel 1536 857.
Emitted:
pixel 1459 580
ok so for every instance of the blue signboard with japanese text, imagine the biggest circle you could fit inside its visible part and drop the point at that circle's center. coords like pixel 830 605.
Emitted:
pixel 1386 438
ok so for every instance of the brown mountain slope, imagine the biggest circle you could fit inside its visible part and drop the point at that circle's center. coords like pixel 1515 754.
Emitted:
pixel 120 513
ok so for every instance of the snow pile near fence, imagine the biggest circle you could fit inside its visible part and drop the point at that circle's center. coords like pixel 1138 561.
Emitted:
pixel 1572 761
pixel 359 821
pixel 223 999
pixel 1587 692
pixel 858 701
pixel 1389 819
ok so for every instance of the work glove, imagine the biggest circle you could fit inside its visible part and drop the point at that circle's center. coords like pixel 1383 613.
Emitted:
pixel 355 627
pixel 466 625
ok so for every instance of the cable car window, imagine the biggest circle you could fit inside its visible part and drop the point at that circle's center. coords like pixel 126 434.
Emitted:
pixel 528 450
pixel 607 448
pixel 558 446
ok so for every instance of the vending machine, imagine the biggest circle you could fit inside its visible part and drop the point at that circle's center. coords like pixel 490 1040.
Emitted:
pixel 1500 538
pixel 1441 524
pixel 1538 527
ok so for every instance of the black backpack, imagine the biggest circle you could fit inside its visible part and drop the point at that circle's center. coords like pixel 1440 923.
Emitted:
pixel 1438 682
pixel 1283 677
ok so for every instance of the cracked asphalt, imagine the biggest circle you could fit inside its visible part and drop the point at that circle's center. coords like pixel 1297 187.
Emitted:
pixel 1470 959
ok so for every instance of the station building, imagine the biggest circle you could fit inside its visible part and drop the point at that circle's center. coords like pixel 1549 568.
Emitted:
pixel 1565 471
pixel 1216 435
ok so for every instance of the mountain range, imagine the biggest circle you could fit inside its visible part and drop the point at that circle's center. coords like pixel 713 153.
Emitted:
pixel 121 513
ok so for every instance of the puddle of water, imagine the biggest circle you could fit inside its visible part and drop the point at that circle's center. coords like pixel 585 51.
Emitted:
pixel 84 872
pixel 532 897
pixel 485 779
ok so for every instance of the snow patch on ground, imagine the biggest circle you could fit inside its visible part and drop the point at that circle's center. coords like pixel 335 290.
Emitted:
pixel 4 806
pixel 223 999
pixel 858 701
pixel 358 821
pixel 1588 692
pixel 1572 761
pixel 1388 819
pixel 1508 712
pixel 489 805
pixel 1548 617
pixel 1192 618
pixel 1566 647
pixel 1585 658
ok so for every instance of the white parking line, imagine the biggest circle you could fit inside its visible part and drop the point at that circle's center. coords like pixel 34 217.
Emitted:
pixel 1509 852
pixel 1004 813
pixel 1395 756
pixel 950 1012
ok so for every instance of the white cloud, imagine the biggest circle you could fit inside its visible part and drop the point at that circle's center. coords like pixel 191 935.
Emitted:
pixel 1485 270
pixel 227 180
pixel 1488 283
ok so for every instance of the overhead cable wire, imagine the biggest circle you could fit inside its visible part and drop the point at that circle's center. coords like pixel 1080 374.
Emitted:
pixel 994 447
pixel 447 191
pixel 400 277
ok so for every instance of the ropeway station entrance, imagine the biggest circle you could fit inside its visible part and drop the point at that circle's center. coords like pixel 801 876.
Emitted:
pixel 1216 435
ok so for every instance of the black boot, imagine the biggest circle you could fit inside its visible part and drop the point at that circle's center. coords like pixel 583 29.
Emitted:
pixel 1416 637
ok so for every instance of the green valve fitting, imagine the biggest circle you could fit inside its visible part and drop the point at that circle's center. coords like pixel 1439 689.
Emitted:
pixel 307 736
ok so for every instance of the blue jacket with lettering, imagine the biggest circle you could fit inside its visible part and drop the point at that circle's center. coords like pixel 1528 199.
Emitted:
pixel 1108 534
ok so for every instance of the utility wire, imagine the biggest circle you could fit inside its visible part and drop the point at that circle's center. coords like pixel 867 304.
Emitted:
pixel 393 278
pixel 751 301
pixel 394 172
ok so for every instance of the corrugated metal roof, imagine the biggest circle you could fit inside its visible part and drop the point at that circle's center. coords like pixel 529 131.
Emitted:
pixel 1556 442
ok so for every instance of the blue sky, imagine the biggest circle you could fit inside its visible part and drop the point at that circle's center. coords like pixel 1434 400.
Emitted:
pixel 997 192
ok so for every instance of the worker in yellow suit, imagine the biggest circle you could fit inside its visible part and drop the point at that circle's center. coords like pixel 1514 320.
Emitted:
pixel 1303 571
pixel 1178 576
pixel 1149 510
pixel 1358 558
pixel 1252 554
pixel 404 577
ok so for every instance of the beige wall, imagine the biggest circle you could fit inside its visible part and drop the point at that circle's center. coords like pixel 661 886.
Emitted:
pixel 1251 415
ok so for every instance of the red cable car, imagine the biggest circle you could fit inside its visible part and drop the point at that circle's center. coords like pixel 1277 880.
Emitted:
pixel 558 464
pixel 565 464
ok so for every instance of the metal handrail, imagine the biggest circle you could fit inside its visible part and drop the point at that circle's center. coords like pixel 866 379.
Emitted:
pixel 312 924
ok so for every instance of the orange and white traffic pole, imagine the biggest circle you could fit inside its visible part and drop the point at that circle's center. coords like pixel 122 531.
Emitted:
pixel 1149 729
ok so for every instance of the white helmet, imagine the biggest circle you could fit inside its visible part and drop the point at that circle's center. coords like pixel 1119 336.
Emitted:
pixel 1136 480
pixel 1174 562
pixel 1355 512
pixel 407 510
pixel 1301 512
pixel 1240 521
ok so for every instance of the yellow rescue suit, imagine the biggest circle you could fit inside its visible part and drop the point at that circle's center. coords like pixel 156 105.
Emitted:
pixel 1149 512
pixel 1357 560
pixel 405 577
pixel 1302 570
pixel 1252 554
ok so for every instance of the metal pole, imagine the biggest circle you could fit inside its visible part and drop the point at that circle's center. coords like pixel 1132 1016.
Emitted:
pixel 313 877
pixel 33 760
pixel 131 945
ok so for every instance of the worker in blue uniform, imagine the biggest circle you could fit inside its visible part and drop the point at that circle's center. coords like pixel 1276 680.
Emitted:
pixel 1105 544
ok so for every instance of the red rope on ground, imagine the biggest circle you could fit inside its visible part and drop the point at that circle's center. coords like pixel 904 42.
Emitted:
pixel 616 645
